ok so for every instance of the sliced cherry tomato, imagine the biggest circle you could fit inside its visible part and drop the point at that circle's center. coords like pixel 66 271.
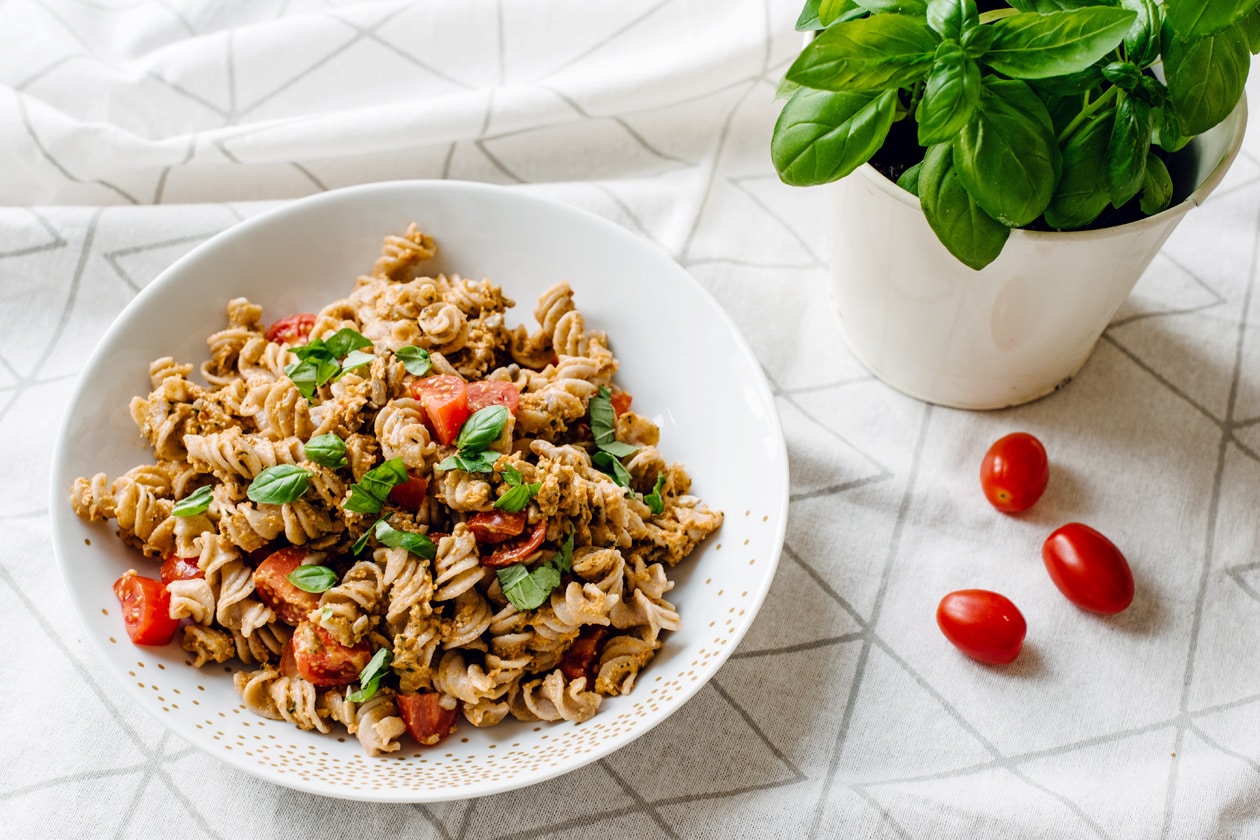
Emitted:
pixel 180 568
pixel 410 494
pixel 322 660
pixel 1014 472
pixel 424 716
pixel 579 659
pixel 516 550
pixel 288 662
pixel 146 609
pixel 1088 569
pixel 495 526
pixel 982 624
pixel 271 580
pixel 445 402
pixel 492 392
pixel 292 330
pixel 621 402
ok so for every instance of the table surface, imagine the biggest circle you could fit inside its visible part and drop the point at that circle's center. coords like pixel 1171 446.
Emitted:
pixel 132 131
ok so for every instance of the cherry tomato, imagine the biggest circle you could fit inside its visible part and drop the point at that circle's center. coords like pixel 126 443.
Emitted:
pixel 425 718
pixel 492 392
pixel 495 526
pixel 410 494
pixel 579 659
pixel 1014 472
pixel 180 568
pixel 514 551
pixel 292 330
pixel 322 660
pixel 621 402
pixel 445 402
pixel 982 624
pixel 288 662
pixel 1088 569
pixel 271 580
pixel 146 609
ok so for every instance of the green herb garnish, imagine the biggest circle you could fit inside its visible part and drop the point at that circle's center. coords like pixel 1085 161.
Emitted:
pixel 418 544
pixel 604 430
pixel 654 500
pixel 415 359
pixel 478 432
pixel 312 578
pixel 527 590
pixel 279 485
pixel 317 360
pixel 369 494
pixel 327 451
pixel 515 500
pixel 370 676
pixel 198 501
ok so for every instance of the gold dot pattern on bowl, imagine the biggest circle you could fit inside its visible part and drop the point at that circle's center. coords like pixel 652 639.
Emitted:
pixel 336 761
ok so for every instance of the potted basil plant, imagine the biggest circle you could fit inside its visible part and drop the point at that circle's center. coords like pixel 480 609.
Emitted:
pixel 1014 169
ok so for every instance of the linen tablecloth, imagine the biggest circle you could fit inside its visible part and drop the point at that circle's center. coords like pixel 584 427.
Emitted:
pixel 132 130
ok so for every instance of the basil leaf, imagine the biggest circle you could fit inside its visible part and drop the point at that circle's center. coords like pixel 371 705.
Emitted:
pixel 311 349
pixel 654 500
pixel 279 485
pixel 909 180
pixel 952 18
pixel 312 578
pixel 1191 19
pixel 482 429
pixel 1035 46
pixel 1082 193
pixel 326 450
pixel 898 7
pixel 604 425
pixel 867 55
pixel 415 359
pixel 949 97
pixel 973 236
pixel 515 500
pixel 1141 42
pixel 355 359
pixel 606 463
pixel 1157 185
pixel 305 375
pixel 362 541
pixel 1007 156
pixel 822 136
pixel 563 561
pixel 520 587
pixel 512 476
pixel 362 501
pixel 1206 78
pixel 418 544
pixel 1126 152
pixel 809 19
pixel 370 676
pixel 475 462
pixel 345 341
pixel 370 493
pixel 198 501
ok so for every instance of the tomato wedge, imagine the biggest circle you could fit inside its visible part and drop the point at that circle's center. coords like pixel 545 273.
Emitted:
pixel 621 402
pixel 579 659
pixel 271 580
pixel 516 550
pixel 425 718
pixel 410 494
pixel 322 660
pixel 146 609
pixel 445 402
pixel 493 392
pixel 180 568
pixel 495 526
pixel 292 329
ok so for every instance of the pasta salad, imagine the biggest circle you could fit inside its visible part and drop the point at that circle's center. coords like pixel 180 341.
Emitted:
pixel 398 513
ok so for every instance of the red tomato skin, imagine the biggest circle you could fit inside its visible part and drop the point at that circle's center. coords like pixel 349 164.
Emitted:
pixel 180 568
pixel 1014 472
pixel 621 402
pixel 425 718
pixel 489 392
pixel 580 659
pixel 516 550
pixel 271 581
pixel 292 329
pixel 146 609
pixel 496 526
pixel 445 402
pixel 322 660
pixel 410 494
pixel 1088 569
pixel 984 625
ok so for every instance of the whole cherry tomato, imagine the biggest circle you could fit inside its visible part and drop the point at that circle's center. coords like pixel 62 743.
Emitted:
pixel 982 624
pixel 1088 569
pixel 1014 472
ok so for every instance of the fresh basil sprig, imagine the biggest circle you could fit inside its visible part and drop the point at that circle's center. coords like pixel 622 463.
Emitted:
pixel 369 494
pixel 654 500
pixel 415 359
pixel 198 501
pixel 604 431
pixel 478 432
pixel 515 500
pixel 370 676
pixel 326 450
pixel 318 363
pixel 418 544
pixel 527 590
pixel 279 485
pixel 312 578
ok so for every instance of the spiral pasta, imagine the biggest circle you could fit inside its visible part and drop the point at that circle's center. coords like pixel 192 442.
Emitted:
pixel 324 520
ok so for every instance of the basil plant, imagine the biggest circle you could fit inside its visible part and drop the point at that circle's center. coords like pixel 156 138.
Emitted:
pixel 1044 113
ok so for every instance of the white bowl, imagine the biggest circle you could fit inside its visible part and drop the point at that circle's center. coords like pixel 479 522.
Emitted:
pixel 681 357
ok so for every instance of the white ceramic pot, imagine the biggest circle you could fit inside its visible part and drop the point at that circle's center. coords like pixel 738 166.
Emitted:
pixel 1018 329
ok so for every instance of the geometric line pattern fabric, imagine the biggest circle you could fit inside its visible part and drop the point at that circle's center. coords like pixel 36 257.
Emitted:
pixel 132 131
